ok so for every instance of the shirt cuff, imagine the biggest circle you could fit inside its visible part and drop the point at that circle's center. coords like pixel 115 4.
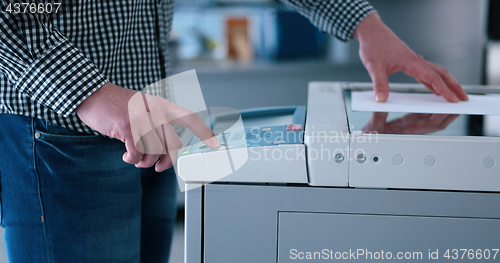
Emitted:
pixel 352 14
pixel 61 78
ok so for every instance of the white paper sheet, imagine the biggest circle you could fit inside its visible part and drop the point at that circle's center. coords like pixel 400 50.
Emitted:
pixel 425 103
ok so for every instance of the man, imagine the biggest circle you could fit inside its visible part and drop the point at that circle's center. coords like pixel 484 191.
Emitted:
pixel 68 76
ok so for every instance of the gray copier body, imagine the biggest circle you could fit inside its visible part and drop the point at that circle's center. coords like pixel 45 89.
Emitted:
pixel 398 203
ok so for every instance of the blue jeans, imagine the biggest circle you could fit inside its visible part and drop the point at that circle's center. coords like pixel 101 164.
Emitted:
pixel 69 197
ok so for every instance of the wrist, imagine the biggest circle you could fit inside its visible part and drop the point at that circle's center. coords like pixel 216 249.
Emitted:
pixel 109 94
pixel 94 98
pixel 368 26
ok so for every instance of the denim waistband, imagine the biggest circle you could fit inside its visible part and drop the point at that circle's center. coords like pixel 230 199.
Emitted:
pixel 52 128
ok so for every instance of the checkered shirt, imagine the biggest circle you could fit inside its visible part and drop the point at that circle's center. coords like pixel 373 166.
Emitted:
pixel 52 62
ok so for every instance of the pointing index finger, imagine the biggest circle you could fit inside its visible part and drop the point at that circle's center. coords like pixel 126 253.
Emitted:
pixel 183 117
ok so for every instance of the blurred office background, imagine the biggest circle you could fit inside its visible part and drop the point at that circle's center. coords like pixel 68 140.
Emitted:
pixel 287 51
pixel 257 53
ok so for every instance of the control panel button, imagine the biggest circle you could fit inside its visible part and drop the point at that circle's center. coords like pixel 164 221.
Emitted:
pixel 186 150
pixel 397 159
pixel 375 159
pixel 339 158
pixel 429 160
pixel 361 158
pixel 489 162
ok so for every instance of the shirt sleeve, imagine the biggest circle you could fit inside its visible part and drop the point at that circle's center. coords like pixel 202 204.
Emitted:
pixel 41 63
pixel 336 17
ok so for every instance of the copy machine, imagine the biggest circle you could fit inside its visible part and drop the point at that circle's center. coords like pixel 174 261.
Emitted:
pixel 325 182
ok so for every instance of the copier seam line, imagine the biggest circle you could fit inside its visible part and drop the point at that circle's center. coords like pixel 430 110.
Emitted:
pixel 382 214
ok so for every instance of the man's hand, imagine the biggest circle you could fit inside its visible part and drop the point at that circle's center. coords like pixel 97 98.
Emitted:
pixel 383 53
pixel 142 122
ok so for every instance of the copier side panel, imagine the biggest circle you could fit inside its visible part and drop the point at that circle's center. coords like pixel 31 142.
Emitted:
pixel 385 238
pixel 241 222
